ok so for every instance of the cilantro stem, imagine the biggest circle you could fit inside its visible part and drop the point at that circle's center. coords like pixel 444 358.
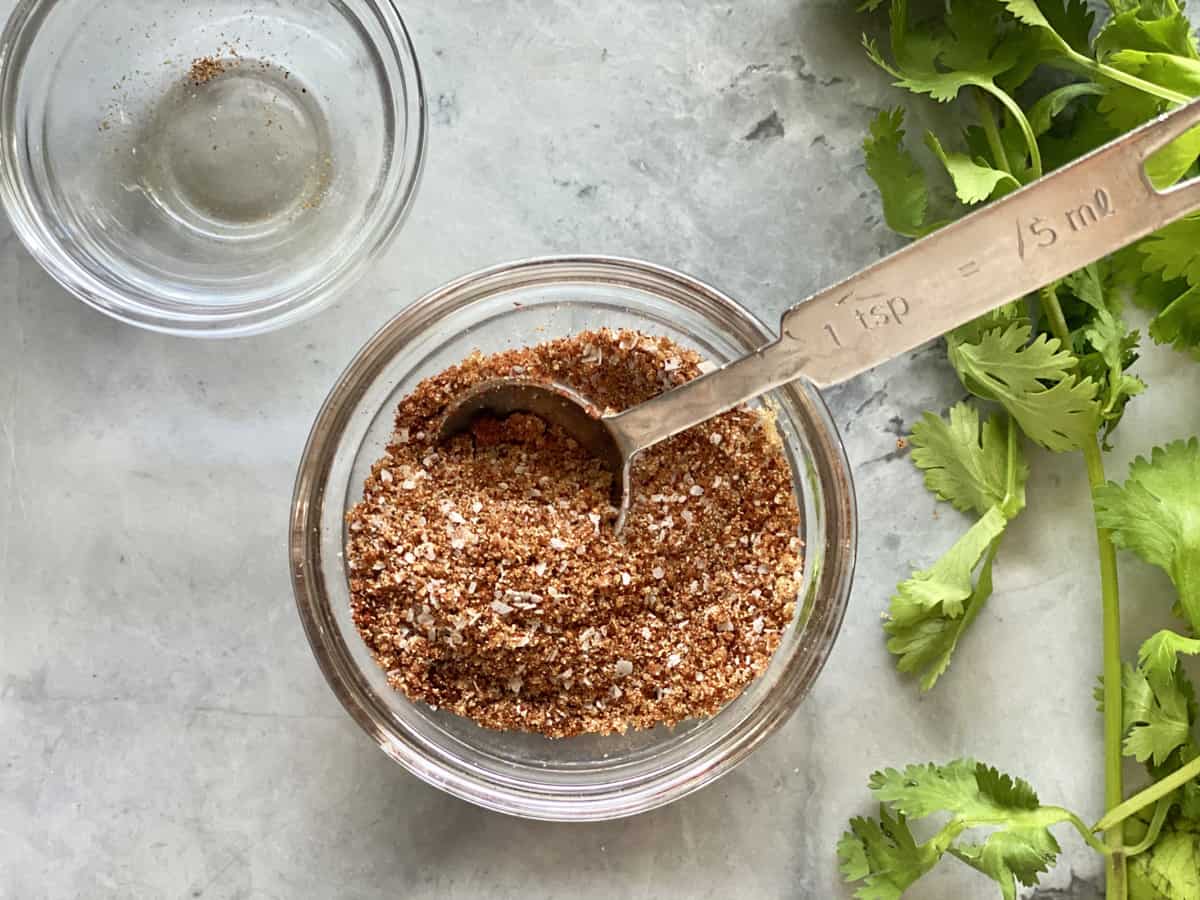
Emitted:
pixel 1114 725
pixel 983 589
pixel 1100 71
pixel 1152 794
pixel 1156 824
pixel 957 826
pixel 1018 114
pixel 988 120
pixel 1089 836
pixel 1010 471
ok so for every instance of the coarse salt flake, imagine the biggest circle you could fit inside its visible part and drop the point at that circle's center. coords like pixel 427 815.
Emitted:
pixel 456 517
pixel 523 598
pixel 696 490
pixel 626 579
pixel 385 476
pixel 716 438
pixel 758 625
pixel 624 668
pixel 408 484
pixel 658 572
pixel 500 608
pixel 558 544
pixel 673 660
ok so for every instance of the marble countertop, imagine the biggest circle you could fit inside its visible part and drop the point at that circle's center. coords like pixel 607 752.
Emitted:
pixel 166 732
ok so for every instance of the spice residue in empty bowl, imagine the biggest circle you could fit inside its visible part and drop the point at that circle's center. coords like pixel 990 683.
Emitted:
pixel 487 580
pixel 236 147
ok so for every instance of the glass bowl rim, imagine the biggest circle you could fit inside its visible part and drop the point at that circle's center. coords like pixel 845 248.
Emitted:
pixel 142 308
pixel 831 583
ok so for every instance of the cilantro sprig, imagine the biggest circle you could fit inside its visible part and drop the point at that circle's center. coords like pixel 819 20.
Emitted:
pixel 1019 846
pixel 1039 83
pixel 976 467
pixel 1156 514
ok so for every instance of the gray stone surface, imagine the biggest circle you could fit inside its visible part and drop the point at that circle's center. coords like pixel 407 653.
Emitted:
pixel 163 728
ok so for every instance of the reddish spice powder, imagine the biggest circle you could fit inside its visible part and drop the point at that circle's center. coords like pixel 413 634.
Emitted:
pixel 486 577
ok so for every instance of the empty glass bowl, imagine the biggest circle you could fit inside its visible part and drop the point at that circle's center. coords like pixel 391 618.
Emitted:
pixel 211 169
pixel 586 777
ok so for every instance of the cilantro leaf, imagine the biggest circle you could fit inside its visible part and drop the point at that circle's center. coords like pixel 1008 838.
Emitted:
pixel 1179 323
pixel 1160 703
pixel 1127 107
pixel 941 61
pixel 963 787
pixel 974 180
pixel 1156 514
pixel 1162 273
pixel 1174 252
pixel 1177 73
pixel 1087 285
pixel 1066 25
pixel 973 467
pixel 1032 381
pixel 1114 349
pixel 1161 652
pixel 1177 319
pixel 1131 30
pixel 924 636
pixel 1011 856
pixel 965 463
pixel 1159 712
pixel 1072 21
pixel 885 856
pixel 1043 113
pixel 948 584
pixel 1089 128
pixel 1019 848
pixel 1170 870
pixel 900 180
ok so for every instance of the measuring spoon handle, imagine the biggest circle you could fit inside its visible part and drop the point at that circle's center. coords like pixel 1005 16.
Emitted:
pixel 1063 222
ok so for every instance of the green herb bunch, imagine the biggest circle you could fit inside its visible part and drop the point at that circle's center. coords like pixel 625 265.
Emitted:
pixel 1042 85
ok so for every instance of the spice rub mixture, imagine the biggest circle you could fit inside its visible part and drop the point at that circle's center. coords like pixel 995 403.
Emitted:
pixel 486 577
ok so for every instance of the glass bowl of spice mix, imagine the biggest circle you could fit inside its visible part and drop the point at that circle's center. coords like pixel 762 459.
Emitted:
pixel 208 169
pixel 470 601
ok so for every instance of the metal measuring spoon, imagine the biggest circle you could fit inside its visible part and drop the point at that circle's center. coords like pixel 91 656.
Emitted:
pixel 1061 223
